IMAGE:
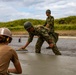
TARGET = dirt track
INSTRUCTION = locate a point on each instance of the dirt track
(61, 32)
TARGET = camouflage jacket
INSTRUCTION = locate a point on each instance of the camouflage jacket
(50, 22)
(38, 31)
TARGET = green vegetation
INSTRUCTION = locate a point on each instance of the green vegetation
(66, 20)
(68, 23)
(65, 27)
(17, 25)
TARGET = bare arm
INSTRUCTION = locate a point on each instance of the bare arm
(17, 69)
(23, 47)
(15, 60)
(28, 42)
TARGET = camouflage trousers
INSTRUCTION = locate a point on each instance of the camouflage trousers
(54, 36)
(40, 42)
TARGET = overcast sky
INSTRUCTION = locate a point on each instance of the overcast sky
(20, 9)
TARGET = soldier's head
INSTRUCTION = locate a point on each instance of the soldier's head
(5, 35)
(28, 26)
(48, 12)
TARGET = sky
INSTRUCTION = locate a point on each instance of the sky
(19, 9)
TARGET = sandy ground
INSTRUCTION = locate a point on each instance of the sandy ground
(61, 32)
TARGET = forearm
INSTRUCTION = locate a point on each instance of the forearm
(17, 69)
(26, 44)
(13, 70)
(23, 47)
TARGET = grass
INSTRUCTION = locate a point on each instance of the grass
(63, 24)
(65, 27)
(57, 27)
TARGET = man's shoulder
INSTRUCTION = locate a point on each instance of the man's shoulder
(52, 16)
(39, 27)
(7, 48)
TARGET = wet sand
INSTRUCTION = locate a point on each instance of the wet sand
(47, 63)
(67, 46)
(41, 64)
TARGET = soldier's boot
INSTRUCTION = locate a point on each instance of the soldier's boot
(48, 47)
(37, 51)
(55, 50)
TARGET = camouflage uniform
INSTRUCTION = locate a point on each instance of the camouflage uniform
(50, 22)
(43, 35)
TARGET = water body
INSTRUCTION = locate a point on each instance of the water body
(67, 46)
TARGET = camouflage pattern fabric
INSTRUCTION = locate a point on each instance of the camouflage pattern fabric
(43, 35)
(50, 22)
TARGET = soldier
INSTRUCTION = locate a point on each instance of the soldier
(42, 34)
(49, 21)
(7, 54)
(50, 25)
